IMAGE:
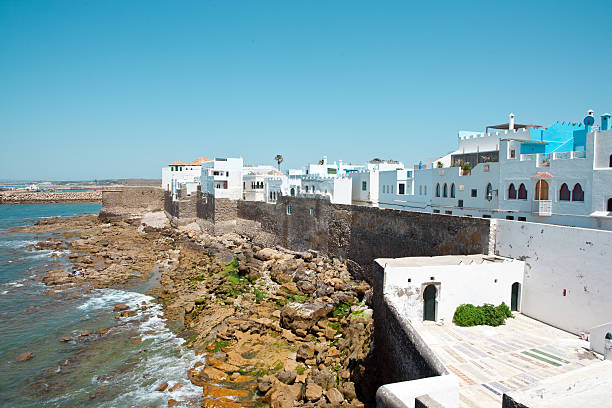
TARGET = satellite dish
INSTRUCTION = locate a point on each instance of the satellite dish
(589, 121)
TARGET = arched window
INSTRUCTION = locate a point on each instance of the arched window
(511, 192)
(564, 193)
(306, 187)
(453, 190)
(420, 190)
(438, 190)
(611, 160)
(522, 192)
(577, 193)
(292, 191)
(609, 204)
(489, 192)
(445, 190)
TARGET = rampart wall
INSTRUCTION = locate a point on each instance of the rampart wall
(128, 201)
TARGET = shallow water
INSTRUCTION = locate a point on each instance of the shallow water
(121, 368)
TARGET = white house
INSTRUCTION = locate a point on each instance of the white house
(431, 288)
(180, 175)
(222, 178)
(336, 189)
(263, 183)
(565, 180)
(365, 189)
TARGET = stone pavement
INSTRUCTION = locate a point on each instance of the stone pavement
(489, 361)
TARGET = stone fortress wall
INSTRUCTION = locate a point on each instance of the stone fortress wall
(127, 201)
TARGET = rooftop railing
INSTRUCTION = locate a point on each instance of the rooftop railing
(543, 159)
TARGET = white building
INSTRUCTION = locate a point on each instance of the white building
(326, 169)
(431, 288)
(180, 175)
(336, 189)
(222, 178)
(571, 185)
(365, 189)
(263, 183)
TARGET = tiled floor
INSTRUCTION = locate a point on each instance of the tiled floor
(492, 360)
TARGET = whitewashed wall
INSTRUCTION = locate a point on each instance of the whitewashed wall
(558, 258)
(488, 282)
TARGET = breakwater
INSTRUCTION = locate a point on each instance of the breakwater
(39, 197)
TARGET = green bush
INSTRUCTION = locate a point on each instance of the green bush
(487, 314)
(468, 315)
(505, 310)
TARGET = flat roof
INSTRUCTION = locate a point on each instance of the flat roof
(441, 260)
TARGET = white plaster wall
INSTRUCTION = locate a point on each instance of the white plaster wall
(459, 284)
(173, 180)
(370, 194)
(603, 147)
(488, 141)
(559, 258)
(444, 389)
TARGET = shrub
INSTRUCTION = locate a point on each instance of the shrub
(505, 310)
(468, 315)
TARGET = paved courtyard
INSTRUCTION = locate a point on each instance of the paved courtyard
(489, 361)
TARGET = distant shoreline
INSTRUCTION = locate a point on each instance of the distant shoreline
(36, 197)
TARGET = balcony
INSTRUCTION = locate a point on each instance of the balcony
(544, 159)
(542, 208)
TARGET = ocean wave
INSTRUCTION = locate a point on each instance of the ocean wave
(17, 244)
(166, 359)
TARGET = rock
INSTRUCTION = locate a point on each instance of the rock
(212, 374)
(306, 351)
(304, 316)
(334, 396)
(162, 387)
(287, 376)
(176, 387)
(313, 392)
(267, 254)
(25, 356)
(174, 403)
(221, 403)
(264, 383)
(120, 307)
(361, 289)
(65, 339)
(215, 391)
(306, 286)
(103, 331)
(291, 287)
(84, 333)
(323, 377)
(348, 390)
(283, 395)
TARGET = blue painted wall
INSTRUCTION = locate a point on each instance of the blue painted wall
(559, 137)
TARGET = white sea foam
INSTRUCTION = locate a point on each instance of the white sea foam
(17, 244)
(165, 360)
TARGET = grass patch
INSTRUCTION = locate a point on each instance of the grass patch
(300, 369)
(219, 345)
(342, 310)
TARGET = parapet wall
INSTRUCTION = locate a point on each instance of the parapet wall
(129, 201)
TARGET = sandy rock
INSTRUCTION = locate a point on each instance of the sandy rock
(348, 390)
(264, 383)
(334, 396)
(25, 356)
(65, 339)
(221, 403)
(283, 395)
(212, 374)
(306, 351)
(215, 391)
(313, 392)
(304, 315)
(323, 377)
(120, 307)
(267, 254)
(174, 403)
(162, 387)
(176, 387)
(287, 376)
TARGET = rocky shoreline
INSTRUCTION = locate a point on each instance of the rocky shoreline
(276, 327)
(37, 197)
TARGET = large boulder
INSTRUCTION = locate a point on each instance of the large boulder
(282, 395)
(304, 315)
(267, 254)
(283, 271)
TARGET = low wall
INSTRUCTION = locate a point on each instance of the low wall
(33, 197)
(128, 201)
(567, 272)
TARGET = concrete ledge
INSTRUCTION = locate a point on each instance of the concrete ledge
(425, 401)
(443, 390)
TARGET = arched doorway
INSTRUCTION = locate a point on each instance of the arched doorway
(429, 303)
(292, 192)
(541, 192)
(514, 299)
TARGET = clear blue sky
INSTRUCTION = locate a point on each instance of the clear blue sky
(114, 89)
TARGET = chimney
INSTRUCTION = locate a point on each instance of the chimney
(511, 122)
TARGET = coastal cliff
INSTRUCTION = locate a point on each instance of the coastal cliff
(270, 326)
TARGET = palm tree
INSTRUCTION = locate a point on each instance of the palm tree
(279, 160)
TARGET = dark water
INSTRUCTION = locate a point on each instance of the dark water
(122, 367)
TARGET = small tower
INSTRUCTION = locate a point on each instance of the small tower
(511, 122)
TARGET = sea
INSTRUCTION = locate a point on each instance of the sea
(121, 368)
